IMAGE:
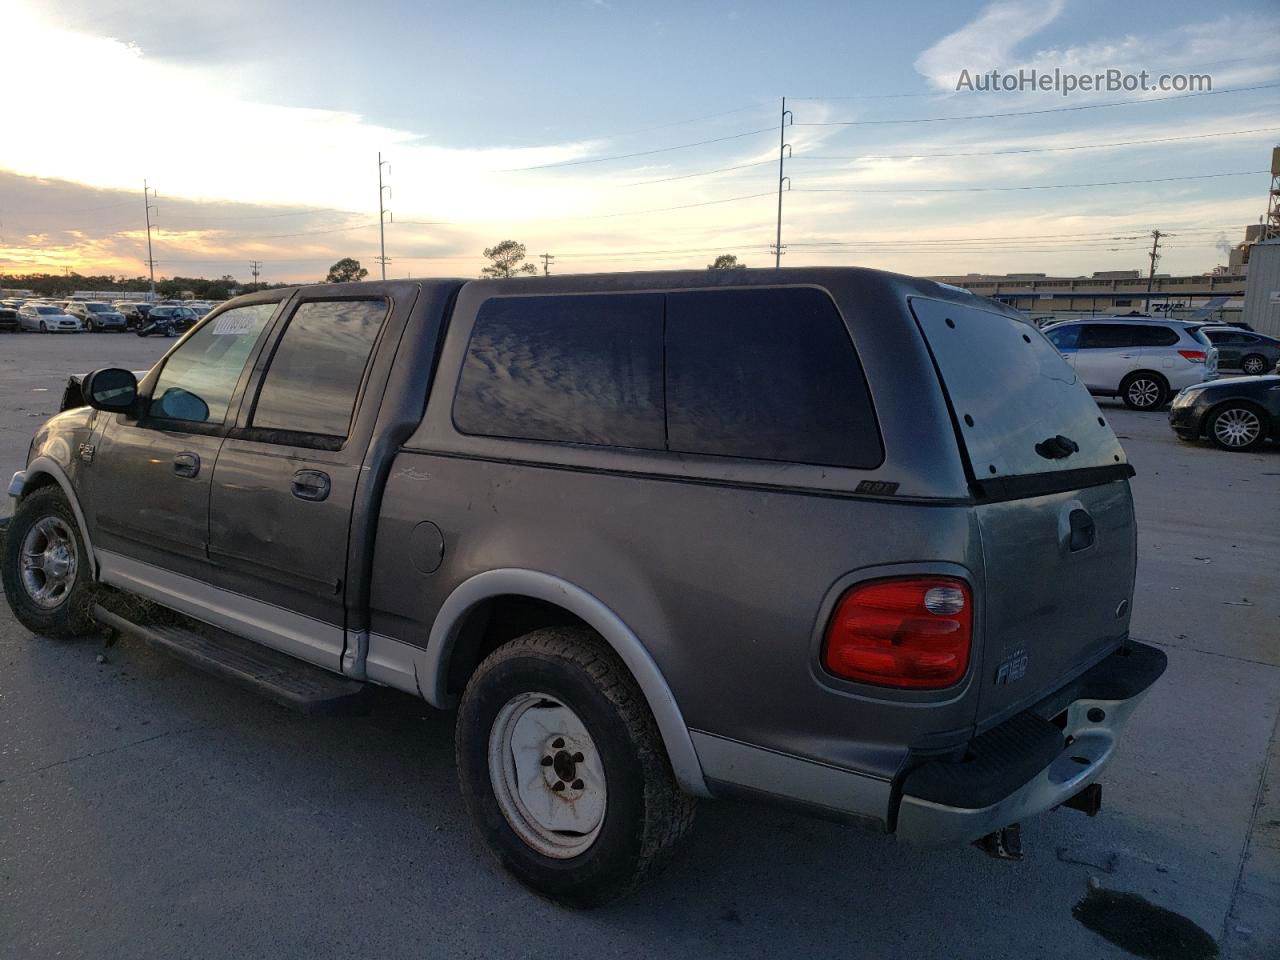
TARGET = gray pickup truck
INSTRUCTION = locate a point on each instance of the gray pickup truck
(835, 538)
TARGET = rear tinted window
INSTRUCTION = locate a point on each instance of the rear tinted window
(314, 375)
(1157, 336)
(767, 375)
(573, 369)
(1010, 391)
(1100, 336)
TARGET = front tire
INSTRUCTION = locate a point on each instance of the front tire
(1254, 365)
(1238, 427)
(1144, 391)
(563, 770)
(45, 567)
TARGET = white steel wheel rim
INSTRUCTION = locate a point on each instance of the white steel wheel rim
(1237, 427)
(48, 562)
(547, 775)
(1144, 392)
(1254, 365)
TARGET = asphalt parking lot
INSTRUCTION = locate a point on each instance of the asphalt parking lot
(150, 811)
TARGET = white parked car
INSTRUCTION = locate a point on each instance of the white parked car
(46, 318)
(1142, 361)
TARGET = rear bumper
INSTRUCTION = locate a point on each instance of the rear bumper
(1032, 762)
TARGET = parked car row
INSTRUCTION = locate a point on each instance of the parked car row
(77, 316)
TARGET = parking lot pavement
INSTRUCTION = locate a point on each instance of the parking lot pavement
(147, 810)
(33, 371)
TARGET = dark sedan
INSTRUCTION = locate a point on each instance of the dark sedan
(1252, 353)
(1239, 413)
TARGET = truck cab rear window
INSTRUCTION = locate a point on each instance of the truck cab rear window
(575, 369)
(766, 374)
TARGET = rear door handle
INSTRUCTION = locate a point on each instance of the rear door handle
(310, 485)
(186, 464)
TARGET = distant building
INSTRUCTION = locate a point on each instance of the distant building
(1262, 295)
(1109, 292)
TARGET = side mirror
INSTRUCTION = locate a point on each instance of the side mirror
(111, 389)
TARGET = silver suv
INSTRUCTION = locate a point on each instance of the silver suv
(1144, 362)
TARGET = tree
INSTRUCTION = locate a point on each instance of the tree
(345, 271)
(726, 261)
(506, 258)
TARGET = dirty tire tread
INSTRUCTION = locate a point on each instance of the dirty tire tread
(72, 619)
(668, 811)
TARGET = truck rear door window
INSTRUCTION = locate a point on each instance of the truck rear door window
(766, 374)
(314, 376)
(572, 369)
(1013, 394)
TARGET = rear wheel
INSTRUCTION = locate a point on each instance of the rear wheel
(1144, 391)
(1254, 365)
(563, 770)
(1237, 426)
(45, 567)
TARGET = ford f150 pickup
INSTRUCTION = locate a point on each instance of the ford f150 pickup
(830, 537)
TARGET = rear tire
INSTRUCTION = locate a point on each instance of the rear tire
(45, 567)
(1237, 426)
(599, 812)
(1254, 365)
(1144, 391)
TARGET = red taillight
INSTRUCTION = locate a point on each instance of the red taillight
(911, 632)
(1195, 356)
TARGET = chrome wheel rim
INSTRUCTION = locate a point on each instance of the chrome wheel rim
(1237, 427)
(1144, 393)
(547, 775)
(1254, 365)
(48, 562)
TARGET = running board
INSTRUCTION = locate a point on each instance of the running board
(277, 676)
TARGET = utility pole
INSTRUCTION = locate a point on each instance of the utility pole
(255, 265)
(546, 263)
(382, 214)
(1155, 258)
(147, 194)
(784, 150)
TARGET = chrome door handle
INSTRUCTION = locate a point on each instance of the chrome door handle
(186, 464)
(310, 485)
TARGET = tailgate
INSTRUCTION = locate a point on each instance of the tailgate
(1059, 575)
(1054, 509)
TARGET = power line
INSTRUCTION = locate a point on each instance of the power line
(1020, 150)
(1036, 186)
(1033, 113)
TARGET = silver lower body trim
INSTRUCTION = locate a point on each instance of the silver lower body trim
(788, 777)
(299, 636)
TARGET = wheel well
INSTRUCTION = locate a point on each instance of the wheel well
(1145, 373)
(495, 621)
(39, 481)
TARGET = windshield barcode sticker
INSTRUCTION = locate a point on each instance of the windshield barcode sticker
(232, 326)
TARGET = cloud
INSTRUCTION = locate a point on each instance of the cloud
(987, 42)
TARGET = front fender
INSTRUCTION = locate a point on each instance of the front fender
(38, 472)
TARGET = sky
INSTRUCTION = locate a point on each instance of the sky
(626, 136)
